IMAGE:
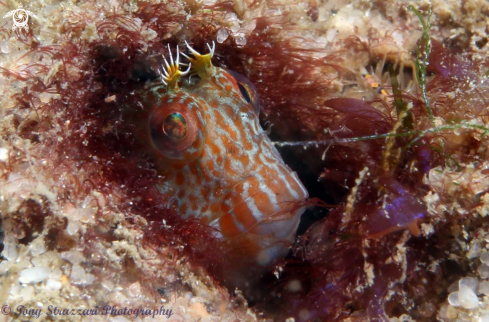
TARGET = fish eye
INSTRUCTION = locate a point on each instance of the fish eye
(175, 126)
(248, 90)
(177, 129)
(245, 92)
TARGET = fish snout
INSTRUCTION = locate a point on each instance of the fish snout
(261, 215)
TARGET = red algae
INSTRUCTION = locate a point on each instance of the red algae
(359, 117)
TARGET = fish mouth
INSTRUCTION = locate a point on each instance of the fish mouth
(263, 214)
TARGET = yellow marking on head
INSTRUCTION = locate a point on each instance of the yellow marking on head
(172, 73)
(201, 64)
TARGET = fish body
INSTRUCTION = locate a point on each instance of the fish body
(219, 164)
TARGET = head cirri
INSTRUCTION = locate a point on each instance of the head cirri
(219, 164)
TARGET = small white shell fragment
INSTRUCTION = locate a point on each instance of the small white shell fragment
(467, 298)
(222, 35)
(4, 47)
(27, 293)
(453, 299)
(53, 284)
(73, 256)
(485, 258)
(240, 39)
(37, 248)
(475, 250)
(3, 154)
(470, 282)
(78, 276)
(56, 274)
(483, 271)
(34, 275)
(10, 252)
(72, 227)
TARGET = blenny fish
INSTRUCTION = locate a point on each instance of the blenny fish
(219, 164)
